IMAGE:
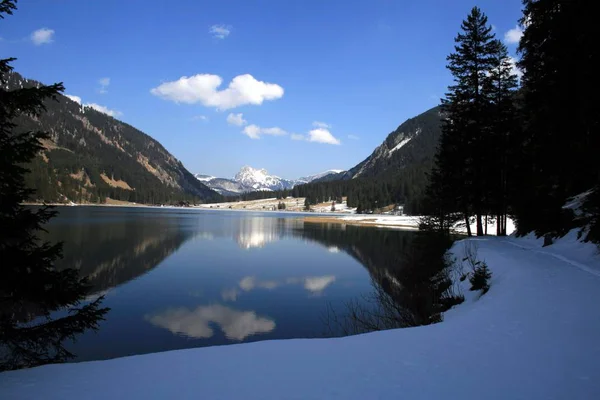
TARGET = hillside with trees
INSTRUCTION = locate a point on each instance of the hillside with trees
(91, 156)
(395, 173)
(40, 307)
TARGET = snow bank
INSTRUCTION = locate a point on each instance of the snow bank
(534, 335)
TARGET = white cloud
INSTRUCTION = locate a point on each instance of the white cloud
(353, 137)
(104, 82)
(237, 325)
(76, 99)
(219, 31)
(199, 118)
(513, 35)
(255, 132)
(321, 135)
(515, 70)
(103, 109)
(297, 136)
(324, 125)
(95, 106)
(236, 119)
(42, 36)
(203, 88)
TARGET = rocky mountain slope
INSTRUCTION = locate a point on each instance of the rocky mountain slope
(92, 157)
(413, 142)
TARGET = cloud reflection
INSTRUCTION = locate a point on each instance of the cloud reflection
(250, 282)
(236, 325)
(314, 284)
(318, 283)
(230, 294)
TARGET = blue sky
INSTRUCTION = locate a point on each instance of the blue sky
(319, 84)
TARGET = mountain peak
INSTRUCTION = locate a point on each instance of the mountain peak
(259, 179)
(250, 179)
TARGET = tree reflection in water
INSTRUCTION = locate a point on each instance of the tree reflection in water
(411, 278)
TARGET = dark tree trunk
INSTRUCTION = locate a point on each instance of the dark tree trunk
(498, 224)
(468, 225)
(479, 225)
(486, 224)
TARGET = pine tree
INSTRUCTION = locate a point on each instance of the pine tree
(502, 126)
(560, 60)
(306, 204)
(461, 154)
(31, 289)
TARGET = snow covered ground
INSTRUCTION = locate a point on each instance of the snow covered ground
(408, 222)
(534, 335)
(384, 220)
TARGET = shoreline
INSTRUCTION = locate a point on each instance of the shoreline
(521, 332)
(374, 220)
(339, 218)
(406, 222)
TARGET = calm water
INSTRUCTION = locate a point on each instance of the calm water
(188, 278)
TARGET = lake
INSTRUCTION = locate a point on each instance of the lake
(182, 278)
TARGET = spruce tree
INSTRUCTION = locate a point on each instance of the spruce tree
(461, 153)
(560, 60)
(31, 289)
(501, 128)
(306, 204)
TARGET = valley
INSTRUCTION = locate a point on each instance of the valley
(299, 200)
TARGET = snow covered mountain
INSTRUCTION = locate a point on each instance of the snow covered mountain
(259, 179)
(250, 179)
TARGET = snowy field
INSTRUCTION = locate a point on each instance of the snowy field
(534, 335)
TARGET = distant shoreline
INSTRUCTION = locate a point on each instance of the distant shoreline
(311, 217)
(364, 220)
(372, 220)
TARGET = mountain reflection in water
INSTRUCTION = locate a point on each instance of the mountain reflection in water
(189, 278)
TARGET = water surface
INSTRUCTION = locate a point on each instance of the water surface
(181, 278)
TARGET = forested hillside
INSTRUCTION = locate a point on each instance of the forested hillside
(92, 156)
(396, 171)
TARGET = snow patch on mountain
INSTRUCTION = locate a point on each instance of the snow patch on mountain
(403, 142)
(399, 146)
(386, 150)
(310, 178)
(204, 178)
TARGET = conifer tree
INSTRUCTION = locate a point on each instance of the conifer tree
(306, 204)
(461, 153)
(501, 128)
(560, 60)
(31, 289)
